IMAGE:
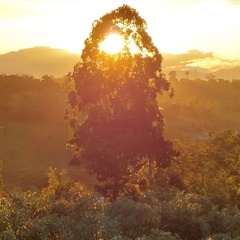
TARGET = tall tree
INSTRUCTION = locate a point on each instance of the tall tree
(116, 122)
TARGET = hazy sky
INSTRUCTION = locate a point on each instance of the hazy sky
(175, 26)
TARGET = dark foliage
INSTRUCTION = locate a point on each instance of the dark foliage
(114, 113)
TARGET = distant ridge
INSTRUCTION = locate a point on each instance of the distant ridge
(226, 73)
(39, 61)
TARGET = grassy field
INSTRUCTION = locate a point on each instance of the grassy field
(29, 150)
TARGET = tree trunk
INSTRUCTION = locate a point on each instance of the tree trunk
(150, 171)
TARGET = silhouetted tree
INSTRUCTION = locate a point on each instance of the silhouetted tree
(173, 76)
(211, 77)
(187, 74)
(114, 116)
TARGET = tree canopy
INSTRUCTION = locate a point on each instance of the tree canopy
(116, 120)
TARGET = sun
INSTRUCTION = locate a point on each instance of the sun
(112, 44)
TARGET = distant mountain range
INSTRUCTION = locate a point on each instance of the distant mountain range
(39, 61)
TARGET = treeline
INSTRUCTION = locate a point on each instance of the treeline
(200, 107)
(32, 129)
(27, 99)
(14, 84)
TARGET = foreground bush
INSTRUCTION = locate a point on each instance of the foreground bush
(63, 210)
(66, 210)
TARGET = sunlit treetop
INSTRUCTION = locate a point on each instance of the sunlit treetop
(126, 23)
(119, 49)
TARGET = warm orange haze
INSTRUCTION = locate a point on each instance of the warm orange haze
(198, 36)
(119, 120)
(175, 26)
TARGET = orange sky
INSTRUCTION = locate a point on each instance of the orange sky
(175, 26)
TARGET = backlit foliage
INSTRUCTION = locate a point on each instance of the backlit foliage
(114, 112)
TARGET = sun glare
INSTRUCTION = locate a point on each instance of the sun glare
(112, 44)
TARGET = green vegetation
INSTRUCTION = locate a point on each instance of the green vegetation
(201, 106)
(32, 130)
(197, 197)
(67, 210)
(190, 189)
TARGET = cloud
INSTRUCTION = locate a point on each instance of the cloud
(214, 63)
(197, 59)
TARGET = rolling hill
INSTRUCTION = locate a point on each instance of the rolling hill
(39, 61)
